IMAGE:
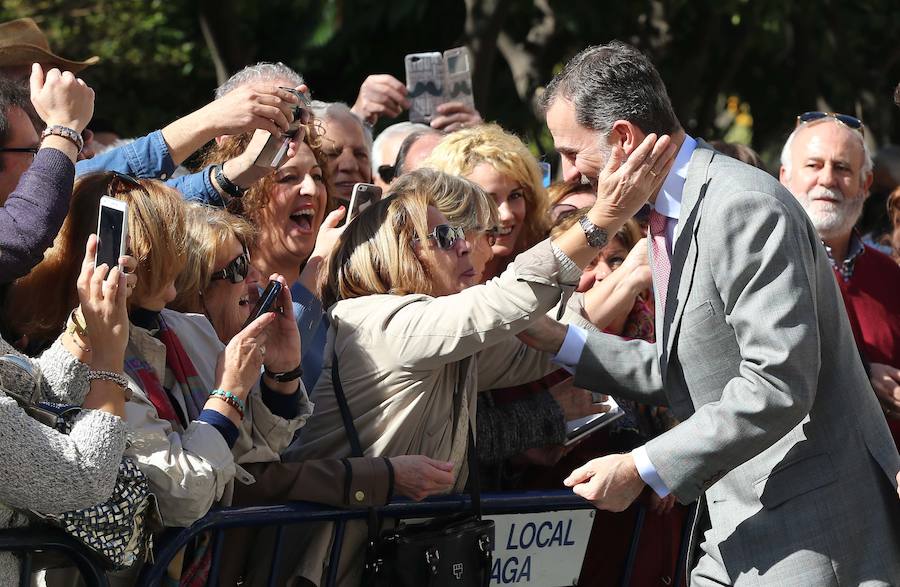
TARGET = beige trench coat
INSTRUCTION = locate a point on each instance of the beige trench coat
(410, 367)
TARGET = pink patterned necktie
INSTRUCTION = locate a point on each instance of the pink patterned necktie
(662, 266)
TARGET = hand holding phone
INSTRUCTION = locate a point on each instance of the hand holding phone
(276, 147)
(265, 302)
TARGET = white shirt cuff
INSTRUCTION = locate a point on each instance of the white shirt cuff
(648, 472)
(570, 352)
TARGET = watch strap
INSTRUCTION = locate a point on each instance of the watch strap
(230, 188)
(596, 236)
(284, 377)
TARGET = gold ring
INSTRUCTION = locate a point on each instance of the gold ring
(653, 173)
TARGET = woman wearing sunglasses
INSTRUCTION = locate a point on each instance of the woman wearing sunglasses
(414, 344)
(504, 167)
(187, 411)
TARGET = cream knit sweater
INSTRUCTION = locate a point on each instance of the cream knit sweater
(45, 471)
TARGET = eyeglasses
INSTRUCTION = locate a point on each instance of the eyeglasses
(237, 269)
(851, 121)
(386, 173)
(32, 150)
(445, 236)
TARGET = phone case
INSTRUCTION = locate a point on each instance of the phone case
(119, 206)
(424, 84)
(458, 76)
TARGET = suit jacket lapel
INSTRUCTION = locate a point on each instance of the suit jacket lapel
(684, 253)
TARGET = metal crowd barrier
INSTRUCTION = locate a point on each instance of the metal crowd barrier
(279, 516)
(27, 541)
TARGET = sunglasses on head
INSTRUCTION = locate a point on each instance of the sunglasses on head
(445, 236)
(386, 173)
(120, 183)
(851, 121)
(237, 269)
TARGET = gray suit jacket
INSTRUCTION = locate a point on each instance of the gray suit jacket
(780, 427)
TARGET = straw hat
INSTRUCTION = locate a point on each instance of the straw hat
(23, 43)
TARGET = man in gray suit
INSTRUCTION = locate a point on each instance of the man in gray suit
(781, 437)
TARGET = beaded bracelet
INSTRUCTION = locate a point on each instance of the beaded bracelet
(65, 132)
(231, 399)
(117, 378)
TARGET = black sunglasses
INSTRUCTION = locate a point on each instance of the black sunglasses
(851, 121)
(119, 182)
(446, 236)
(237, 269)
(386, 173)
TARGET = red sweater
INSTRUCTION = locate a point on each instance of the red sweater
(872, 297)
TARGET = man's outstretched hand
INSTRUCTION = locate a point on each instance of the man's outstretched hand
(610, 483)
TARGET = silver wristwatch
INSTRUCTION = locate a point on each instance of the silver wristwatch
(596, 237)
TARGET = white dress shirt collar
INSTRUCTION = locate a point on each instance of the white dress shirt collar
(668, 201)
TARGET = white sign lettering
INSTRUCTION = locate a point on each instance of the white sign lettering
(540, 549)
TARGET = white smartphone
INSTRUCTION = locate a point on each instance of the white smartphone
(363, 196)
(112, 232)
(458, 76)
(424, 84)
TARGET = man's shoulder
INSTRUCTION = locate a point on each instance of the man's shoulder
(733, 184)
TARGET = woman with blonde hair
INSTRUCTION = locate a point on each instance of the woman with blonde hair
(412, 344)
(503, 166)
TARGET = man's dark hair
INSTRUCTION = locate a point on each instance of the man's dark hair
(406, 145)
(14, 93)
(614, 82)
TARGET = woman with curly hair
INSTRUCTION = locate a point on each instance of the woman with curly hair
(296, 226)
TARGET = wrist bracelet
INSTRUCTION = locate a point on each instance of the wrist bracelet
(76, 326)
(84, 348)
(285, 376)
(231, 403)
(117, 378)
(228, 186)
(231, 399)
(65, 132)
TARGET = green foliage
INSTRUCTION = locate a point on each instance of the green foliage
(780, 57)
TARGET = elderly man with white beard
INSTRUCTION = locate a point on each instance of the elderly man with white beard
(826, 164)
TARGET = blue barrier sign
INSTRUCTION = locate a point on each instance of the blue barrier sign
(540, 549)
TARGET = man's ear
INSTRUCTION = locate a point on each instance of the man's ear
(783, 176)
(867, 183)
(627, 135)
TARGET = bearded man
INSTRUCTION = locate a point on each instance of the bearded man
(825, 163)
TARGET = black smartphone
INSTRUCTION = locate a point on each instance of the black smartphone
(112, 231)
(265, 302)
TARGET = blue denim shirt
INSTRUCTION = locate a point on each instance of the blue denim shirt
(313, 325)
(149, 157)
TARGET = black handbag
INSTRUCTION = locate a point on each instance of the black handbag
(451, 551)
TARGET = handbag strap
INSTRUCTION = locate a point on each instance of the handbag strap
(352, 435)
(356, 447)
